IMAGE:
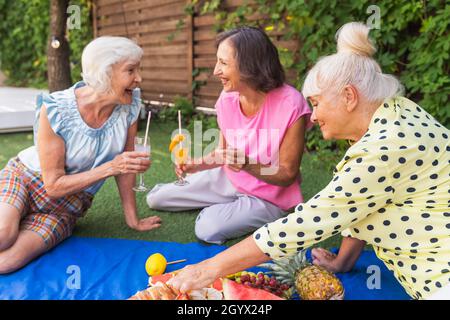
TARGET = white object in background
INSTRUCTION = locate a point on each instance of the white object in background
(17, 108)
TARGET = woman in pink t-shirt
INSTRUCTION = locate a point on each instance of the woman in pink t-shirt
(252, 177)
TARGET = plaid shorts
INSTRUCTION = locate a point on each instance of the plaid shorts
(53, 219)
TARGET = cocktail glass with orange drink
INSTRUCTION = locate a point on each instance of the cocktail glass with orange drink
(180, 147)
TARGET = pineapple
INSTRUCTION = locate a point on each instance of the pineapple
(312, 282)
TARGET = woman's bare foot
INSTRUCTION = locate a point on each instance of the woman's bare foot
(328, 260)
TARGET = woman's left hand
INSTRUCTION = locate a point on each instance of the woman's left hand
(193, 277)
(147, 224)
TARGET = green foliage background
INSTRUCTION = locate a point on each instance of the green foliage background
(413, 39)
(24, 31)
(413, 42)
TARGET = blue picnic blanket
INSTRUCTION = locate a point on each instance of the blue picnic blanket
(109, 269)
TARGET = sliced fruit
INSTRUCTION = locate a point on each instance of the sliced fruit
(217, 285)
(153, 280)
(236, 291)
(205, 294)
(181, 155)
(176, 140)
(160, 291)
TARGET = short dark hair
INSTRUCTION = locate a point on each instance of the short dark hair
(258, 60)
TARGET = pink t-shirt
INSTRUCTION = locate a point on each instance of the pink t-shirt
(261, 136)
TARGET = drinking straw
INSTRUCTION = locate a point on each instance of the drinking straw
(179, 127)
(148, 125)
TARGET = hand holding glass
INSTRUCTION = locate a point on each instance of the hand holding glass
(180, 159)
(140, 147)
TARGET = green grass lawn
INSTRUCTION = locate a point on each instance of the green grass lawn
(105, 218)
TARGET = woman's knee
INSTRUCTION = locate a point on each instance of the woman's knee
(153, 200)
(28, 246)
(8, 236)
(9, 226)
(156, 198)
(208, 229)
(9, 262)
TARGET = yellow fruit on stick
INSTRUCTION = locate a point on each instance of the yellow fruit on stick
(181, 156)
(176, 140)
(156, 264)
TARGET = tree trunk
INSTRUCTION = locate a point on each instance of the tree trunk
(58, 63)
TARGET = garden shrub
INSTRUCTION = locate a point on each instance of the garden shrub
(24, 30)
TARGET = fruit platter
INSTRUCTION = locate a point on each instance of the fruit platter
(221, 289)
(283, 280)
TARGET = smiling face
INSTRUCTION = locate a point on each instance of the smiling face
(227, 67)
(345, 115)
(125, 78)
(331, 115)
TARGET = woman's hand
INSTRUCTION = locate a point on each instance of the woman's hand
(146, 224)
(130, 162)
(188, 167)
(235, 159)
(194, 277)
(241, 256)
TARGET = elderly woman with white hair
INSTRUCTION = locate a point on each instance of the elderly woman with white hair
(391, 189)
(83, 135)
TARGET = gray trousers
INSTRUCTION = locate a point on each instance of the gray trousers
(227, 213)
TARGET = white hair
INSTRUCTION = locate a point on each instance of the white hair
(352, 64)
(101, 54)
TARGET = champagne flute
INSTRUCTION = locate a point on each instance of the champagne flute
(141, 147)
(181, 154)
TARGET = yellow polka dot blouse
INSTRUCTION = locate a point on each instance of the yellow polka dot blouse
(392, 189)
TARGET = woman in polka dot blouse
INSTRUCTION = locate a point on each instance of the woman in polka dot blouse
(391, 190)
